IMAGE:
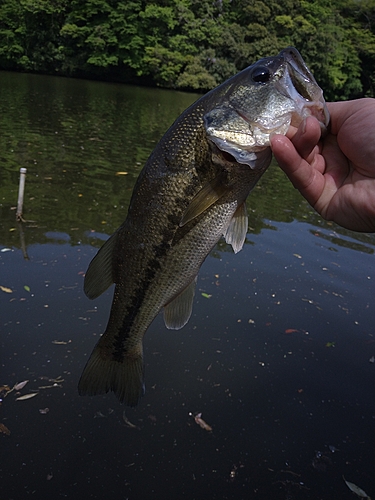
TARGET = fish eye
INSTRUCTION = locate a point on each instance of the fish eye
(261, 74)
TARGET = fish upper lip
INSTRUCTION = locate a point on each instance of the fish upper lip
(299, 84)
(261, 125)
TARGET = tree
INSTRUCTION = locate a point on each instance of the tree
(190, 44)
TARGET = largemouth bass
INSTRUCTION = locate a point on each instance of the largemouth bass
(191, 192)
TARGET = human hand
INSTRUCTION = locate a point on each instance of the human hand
(336, 173)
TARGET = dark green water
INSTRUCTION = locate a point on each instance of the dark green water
(276, 359)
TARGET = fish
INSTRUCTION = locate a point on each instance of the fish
(191, 192)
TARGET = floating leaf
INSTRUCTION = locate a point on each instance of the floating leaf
(330, 344)
(206, 295)
(27, 288)
(121, 173)
(332, 449)
(4, 429)
(26, 396)
(199, 420)
(128, 423)
(356, 489)
(49, 386)
(5, 289)
(20, 385)
(290, 330)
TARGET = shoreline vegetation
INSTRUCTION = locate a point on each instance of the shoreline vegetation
(189, 44)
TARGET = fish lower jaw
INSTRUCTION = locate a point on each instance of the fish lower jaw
(316, 109)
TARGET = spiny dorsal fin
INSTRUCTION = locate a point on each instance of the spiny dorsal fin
(235, 234)
(99, 275)
(178, 311)
(207, 196)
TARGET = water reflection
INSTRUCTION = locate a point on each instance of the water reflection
(276, 355)
(74, 137)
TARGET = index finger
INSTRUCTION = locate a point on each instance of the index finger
(301, 161)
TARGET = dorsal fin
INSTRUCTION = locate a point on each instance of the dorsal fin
(177, 313)
(207, 196)
(235, 234)
(99, 275)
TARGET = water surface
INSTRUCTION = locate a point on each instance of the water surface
(277, 354)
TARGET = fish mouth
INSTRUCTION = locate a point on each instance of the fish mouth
(298, 83)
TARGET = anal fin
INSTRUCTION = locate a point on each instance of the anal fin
(177, 313)
(235, 234)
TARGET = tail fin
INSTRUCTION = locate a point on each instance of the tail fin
(103, 374)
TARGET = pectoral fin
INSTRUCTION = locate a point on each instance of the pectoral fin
(99, 275)
(207, 196)
(178, 311)
(235, 234)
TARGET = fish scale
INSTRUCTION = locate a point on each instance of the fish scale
(191, 192)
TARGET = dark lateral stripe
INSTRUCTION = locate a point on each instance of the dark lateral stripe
(135, 304)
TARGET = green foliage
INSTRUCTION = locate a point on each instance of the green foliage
(192, 44)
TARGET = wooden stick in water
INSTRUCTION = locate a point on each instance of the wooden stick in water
(21, 191)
